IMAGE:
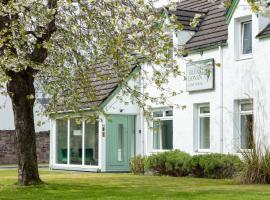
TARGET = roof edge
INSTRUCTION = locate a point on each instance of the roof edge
(113, 93)
(207, 47)
(231, 10)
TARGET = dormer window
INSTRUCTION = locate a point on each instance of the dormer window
(246, 37)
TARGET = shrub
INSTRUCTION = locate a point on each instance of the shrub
(256, 167)
(136, 164)
(173, 163)
(214, 165)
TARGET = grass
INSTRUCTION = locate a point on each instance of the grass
(81, 186)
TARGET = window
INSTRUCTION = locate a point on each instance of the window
(61, 141)
(246, 37)
(91, 143)
(204, 127)
(78, 146)
(246, 124)
(75, 141)
(163, 130)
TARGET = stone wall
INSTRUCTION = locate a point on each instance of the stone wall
(8, 147)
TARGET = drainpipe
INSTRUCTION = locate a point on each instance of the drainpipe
(221, 98)
(142, 116)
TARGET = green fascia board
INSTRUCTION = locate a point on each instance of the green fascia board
(231, 10)
(119, 87)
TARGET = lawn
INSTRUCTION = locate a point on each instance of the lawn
(81, 186)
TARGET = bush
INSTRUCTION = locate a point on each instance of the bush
(172, 163)
(136, 165)
(214, 165)
(256, 167)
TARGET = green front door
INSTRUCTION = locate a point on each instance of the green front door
(120, 142)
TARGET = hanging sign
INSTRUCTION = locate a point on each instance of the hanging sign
(200, 75)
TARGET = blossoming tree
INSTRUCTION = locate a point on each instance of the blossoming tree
(50, 46)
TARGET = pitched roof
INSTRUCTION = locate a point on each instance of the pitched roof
(265, 32)
(185, 17)
(103, 81)
(213, 29)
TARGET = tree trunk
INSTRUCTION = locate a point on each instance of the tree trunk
(22, 93)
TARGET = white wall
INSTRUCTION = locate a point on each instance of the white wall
(7, 117)
(246, 78)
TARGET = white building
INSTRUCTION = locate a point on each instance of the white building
(225, 107)
(7, 117)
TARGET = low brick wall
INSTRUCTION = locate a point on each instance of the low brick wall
(8, 150)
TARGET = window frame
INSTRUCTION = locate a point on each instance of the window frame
(242, 113)
(163, 118)
(69, 164)
(241, 42)
(203, 115)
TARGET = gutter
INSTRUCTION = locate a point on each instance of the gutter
(221, 99)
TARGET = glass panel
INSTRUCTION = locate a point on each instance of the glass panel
(246, 106)
(158, 114)
(169, 113)
(246, 131)
(120, 142)
(163, 134)
(204, 132)
(61, 141)
(91, 144)
(247, 37)
(75, 141)
(204, 110)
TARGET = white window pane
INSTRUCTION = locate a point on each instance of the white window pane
(246, 106)
(61, 141)
(246, 131)
(204, 110)
(169, 113)
(158, 114)
(247, 38)
(163, 134)
(91, 143)
(156, 135)
(75, 141)
(204, 133)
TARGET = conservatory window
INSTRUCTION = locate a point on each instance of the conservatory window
(76, 142)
